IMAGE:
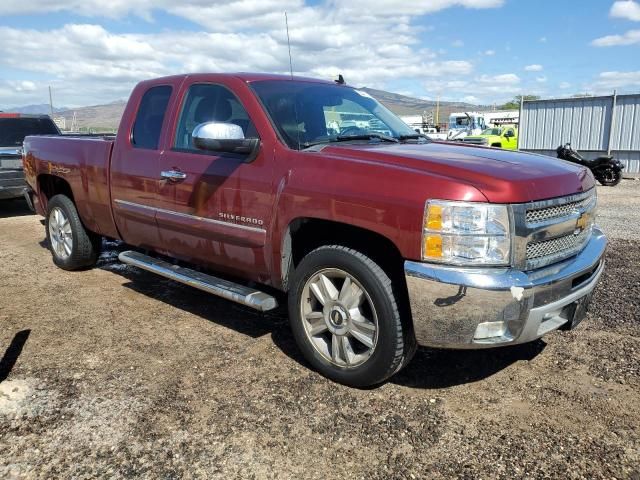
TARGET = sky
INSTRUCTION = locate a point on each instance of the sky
(479, 51)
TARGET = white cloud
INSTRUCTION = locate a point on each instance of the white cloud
(240, 10)
(629, 38)
(23, 86)
(489, 53)
(470, 99)
(503, 79)
(627, 9)
(533, 68)
(564, 85)
(86, 63)
(607, 81)
(484, 89)
(371, 42)
(541, 79)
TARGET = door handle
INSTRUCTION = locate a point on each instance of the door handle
(173, 175)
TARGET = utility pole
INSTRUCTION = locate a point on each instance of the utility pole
(50, 102)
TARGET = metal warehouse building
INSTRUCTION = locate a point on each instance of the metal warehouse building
(594, 125)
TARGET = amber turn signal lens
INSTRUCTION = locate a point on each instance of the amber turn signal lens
(434, 217)
(433, 246)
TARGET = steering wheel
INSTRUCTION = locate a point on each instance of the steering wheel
(352, 130)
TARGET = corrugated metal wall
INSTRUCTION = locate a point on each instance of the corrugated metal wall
(588, 123)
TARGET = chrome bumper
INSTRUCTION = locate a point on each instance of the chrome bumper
(455, 307)
(12, 183)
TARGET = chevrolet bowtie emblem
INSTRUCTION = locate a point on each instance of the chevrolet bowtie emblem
(582, 223)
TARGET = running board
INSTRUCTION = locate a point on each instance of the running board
(217, 286)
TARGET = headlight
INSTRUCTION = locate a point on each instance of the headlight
(464, 233)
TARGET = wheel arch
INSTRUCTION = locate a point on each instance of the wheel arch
(51, 185)
(304, 234)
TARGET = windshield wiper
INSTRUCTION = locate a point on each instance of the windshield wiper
(367, 136)
(346, 138)
(413, 136)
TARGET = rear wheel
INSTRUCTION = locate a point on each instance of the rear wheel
(610, 177)
(346, 319)
(72, 246)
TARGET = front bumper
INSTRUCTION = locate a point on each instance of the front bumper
(449, 303)
(12, 184)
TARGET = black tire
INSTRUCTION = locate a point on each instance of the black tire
(609, 177)
(496, 145)
(395, 339)
(85, 246)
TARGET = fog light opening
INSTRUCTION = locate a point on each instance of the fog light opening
(487, 330)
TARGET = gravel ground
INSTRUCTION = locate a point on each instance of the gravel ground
(616, 206)
(119, 373)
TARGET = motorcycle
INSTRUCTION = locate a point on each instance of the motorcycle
(606, 169)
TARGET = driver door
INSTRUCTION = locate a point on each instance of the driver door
(222, 205)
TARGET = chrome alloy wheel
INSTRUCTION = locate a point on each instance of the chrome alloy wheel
(60, 233)
(339, 318)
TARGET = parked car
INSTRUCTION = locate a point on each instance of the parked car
(379, 241)
(13, 128)
(505, 137)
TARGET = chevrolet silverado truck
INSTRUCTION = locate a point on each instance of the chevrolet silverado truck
(505, 137)
(380, 238)
(13, 128)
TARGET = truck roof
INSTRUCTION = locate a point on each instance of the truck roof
(244, 76)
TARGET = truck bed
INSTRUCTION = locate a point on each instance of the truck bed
(83, 161)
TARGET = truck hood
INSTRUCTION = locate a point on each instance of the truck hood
(502, 176)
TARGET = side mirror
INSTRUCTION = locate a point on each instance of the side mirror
(225, 137)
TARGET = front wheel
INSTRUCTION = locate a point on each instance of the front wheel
(72, 246)
(346, 319)
(610, 177)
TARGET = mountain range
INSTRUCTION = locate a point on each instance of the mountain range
(107, 117)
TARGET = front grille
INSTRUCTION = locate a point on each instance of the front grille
(560, 246)
(540, 215)
(546, 229)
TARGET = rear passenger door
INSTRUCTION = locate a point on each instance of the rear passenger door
(135, 171)
(222, 204)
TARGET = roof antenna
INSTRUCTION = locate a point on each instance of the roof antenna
(286, 22)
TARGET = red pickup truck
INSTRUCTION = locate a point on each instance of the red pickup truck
(381, 238)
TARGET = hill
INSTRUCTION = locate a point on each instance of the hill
(39, 109)
(403, 105)
(96, 116)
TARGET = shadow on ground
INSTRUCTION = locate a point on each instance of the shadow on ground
(429, 369)
(11, 354)
(439, 368)
(16, 207)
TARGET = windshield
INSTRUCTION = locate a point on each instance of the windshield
(492, 131)
(458, 122)
(13, 130)
(307, 113)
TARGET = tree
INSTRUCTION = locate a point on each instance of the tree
(515, 103)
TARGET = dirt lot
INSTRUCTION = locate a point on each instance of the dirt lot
(119, 373)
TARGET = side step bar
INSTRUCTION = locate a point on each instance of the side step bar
(217, 286)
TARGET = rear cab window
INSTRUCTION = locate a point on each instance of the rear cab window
(13, 130)
(151, 112)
